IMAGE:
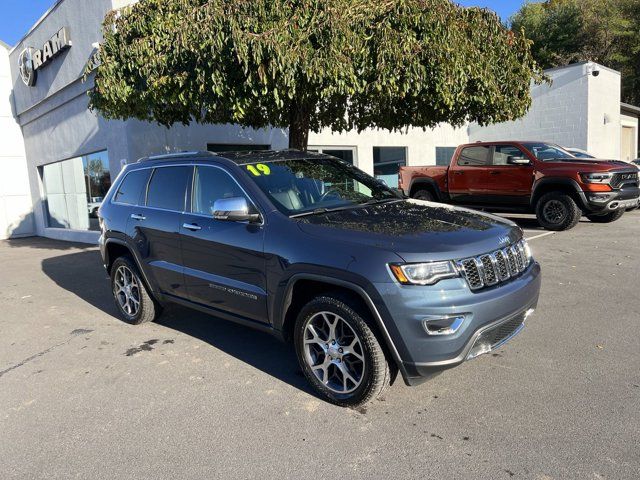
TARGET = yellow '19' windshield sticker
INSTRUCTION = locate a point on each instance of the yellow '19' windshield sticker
(259, 169)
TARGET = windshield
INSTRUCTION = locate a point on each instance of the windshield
(304, 186)
(547, 151)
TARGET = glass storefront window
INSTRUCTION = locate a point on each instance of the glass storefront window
(74, 190)
(387, 162)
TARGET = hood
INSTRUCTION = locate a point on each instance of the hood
(590, 164)
(415, 230)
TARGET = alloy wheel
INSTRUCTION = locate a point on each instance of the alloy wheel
(333, 351)
(126, 290)
(554, 211)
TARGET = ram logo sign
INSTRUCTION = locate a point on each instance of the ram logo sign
(32, 59)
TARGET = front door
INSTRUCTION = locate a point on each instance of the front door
(155, 228)
(468, 177)
(224, 261)
(509, 184)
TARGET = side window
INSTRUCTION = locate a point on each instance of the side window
(474, 156)
(168, 188)
(501, 154)
(211, 184)
(132, 187)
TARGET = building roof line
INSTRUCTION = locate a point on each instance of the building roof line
(628, 106)
(578, 64)
(36, 25)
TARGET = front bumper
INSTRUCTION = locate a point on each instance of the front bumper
(493, 316)
(624, 198)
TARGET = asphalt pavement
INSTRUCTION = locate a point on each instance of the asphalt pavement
(84, 395)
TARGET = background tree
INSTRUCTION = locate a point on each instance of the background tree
(311, 64)
(603, 31)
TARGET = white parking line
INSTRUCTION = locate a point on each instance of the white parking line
(540, 235)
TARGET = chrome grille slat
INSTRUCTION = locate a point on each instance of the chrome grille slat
(494, 267)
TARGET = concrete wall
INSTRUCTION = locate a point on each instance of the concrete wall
(559, 113)
(16, 218)
(577, 110)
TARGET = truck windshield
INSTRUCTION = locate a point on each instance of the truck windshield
(547, 151)
(306, 186)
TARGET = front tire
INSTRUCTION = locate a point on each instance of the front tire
(608, 217)
(557, 211)
(339, 353)
(133, 301)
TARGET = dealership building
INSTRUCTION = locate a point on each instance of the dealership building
(57, 158)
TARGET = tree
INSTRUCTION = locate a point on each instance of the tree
(311, 64)
(603, 31)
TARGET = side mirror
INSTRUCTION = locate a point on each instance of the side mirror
(234, 209)
(518, 161)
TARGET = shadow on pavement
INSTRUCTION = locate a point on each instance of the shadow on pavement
(82, 274)
(47, 244)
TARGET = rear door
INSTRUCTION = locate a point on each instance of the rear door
(468, 175)
(509, 184)
(155, 227)
(223, 260)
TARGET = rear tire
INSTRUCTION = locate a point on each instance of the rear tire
(607, 217)
(423, 195)
(557, 211)
(133, 301)
(339, 353)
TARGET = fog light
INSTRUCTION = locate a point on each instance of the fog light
(599, 197)
(443, 324)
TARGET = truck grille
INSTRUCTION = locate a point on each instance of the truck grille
(495, 267)
(624, 178)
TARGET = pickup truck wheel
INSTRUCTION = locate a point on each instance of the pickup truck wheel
(423, 195)
(133, 301)
(608, 217)
(339, 353)
(557, 211)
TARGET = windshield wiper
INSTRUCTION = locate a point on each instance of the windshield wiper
(321, 210)
(374, 201)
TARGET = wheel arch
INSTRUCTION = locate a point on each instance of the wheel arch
(114, 248)
(302, 287)
(425, 183)
(565, 185)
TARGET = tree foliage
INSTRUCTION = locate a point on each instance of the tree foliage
(311, 64)
(603, 31)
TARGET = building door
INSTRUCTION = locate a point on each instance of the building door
(627, 144)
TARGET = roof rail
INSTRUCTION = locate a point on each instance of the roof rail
(171, 156)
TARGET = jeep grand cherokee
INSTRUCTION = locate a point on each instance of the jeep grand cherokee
(365, 284)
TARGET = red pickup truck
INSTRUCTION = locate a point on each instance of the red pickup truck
(530, 177)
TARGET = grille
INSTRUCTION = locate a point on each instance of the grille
(495, 267)
(624, 178)
(501, 332)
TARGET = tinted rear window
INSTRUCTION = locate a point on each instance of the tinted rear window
(168, 187)
(132, 187)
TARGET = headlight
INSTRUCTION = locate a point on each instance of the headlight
(423, 273)
(596, 177)
(527, 250)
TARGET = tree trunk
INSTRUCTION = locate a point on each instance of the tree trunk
(299, 119)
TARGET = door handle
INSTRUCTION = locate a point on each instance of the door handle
(494, 172)
(136, 216)
(458, 172)
(191, 226)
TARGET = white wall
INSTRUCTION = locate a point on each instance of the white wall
(16, 217)
(421, 144)
(577, 110)
(604, 114)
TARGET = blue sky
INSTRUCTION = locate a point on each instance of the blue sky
(20, 15)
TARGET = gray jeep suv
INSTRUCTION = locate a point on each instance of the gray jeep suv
(365, 283)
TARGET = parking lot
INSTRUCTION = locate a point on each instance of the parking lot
(84, 395)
